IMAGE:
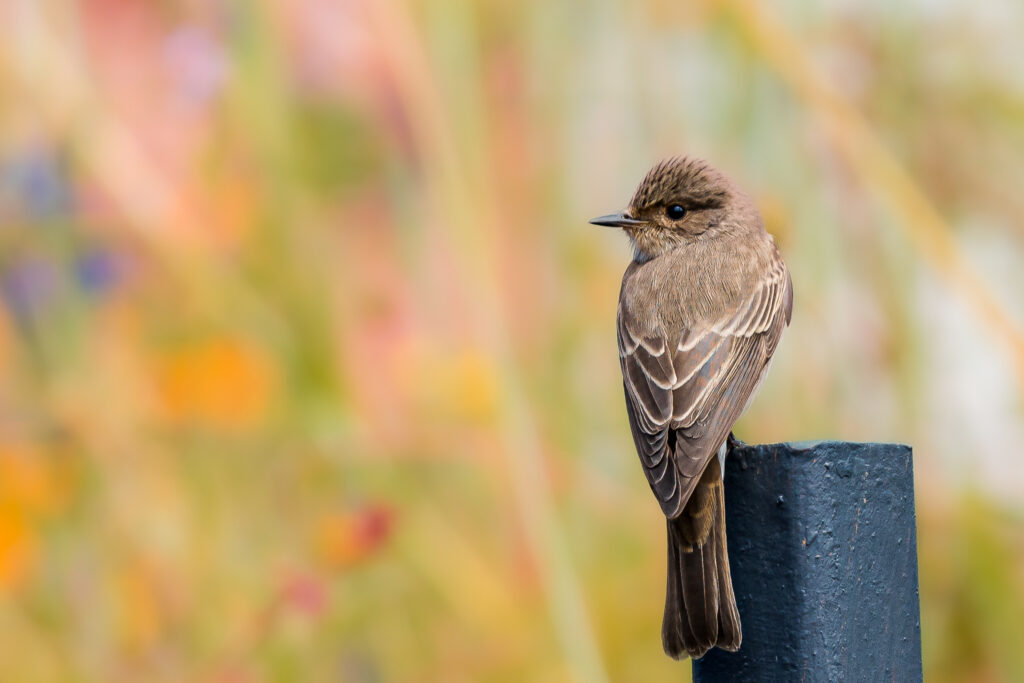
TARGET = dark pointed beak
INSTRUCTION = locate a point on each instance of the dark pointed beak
(616, 220)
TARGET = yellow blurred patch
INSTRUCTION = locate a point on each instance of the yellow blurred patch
(777, 220)
(475, 385)
(5, 343)
(138, 607)
(461, 385)
(231, 211)
(225, 383)
(28, 481)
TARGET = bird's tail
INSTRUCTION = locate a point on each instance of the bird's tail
(700, 607)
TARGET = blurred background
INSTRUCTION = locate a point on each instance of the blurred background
(307, 351)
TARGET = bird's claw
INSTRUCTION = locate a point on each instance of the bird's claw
(732, 442)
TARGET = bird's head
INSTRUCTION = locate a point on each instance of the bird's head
(680, 200)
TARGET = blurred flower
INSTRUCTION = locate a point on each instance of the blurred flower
(30, 489)
(27, 285)
(342, 539)
(29, 481)
(224, 382)
(38, 182)
(334, 47)
(197, 62)
(97, 270)
(17, 548)
(304, 593)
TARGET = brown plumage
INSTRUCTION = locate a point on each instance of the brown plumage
(701, 310)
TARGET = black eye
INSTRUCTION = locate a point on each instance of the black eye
(675, 212)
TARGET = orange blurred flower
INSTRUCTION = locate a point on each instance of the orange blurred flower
(30, 488)
(345, 538)
(225, 382)
(17, 547)
(29, 482)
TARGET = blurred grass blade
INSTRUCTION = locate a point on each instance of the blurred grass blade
(864, 151)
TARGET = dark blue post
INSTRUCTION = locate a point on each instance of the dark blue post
(823, 551)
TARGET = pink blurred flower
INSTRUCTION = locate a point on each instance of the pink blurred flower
(345, 538)
(198, 64)
(304, 593)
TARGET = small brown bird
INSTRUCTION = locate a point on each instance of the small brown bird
(701, 310)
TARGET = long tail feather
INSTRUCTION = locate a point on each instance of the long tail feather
(700, 607)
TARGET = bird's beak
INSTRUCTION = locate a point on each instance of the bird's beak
(616, 220)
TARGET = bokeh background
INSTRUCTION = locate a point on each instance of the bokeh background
(307, 352)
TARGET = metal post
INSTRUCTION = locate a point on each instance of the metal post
(823, 551)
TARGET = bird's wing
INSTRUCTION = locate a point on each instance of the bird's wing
(684, 393)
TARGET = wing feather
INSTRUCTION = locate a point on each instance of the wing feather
(683, 395)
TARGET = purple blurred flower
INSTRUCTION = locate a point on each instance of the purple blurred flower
(27, 286)
(38, 182)
(97, 270)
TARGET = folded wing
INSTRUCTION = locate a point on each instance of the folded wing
(684, 390)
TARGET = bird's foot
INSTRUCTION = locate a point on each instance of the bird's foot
(732, 442)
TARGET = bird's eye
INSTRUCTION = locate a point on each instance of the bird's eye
(675, 211)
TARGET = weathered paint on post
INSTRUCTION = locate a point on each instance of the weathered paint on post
(823, 551)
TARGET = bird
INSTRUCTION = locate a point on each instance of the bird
(701, 310)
